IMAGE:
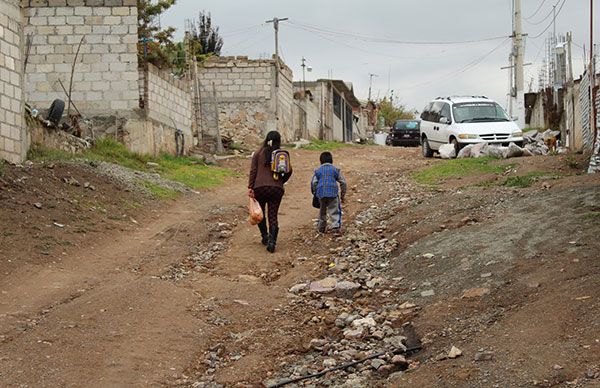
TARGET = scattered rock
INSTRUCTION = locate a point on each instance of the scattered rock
(322, 286)
(329, 363)
(454, 352)
(428, 255)
(377, 363)
(298, 288)
(399, 360)
(38, 205)
(483, 356)
(407, 305)
(353, 333)
(369, 322)
(427, 293)
(447, 151)
(476, 292)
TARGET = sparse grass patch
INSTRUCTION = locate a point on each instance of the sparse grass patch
(160, 192)
(571, 162)
(322, 145)
(526, 180)
(593, 216)
(456, 168)
(189, 171)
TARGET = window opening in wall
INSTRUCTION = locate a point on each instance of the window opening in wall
(337, 104)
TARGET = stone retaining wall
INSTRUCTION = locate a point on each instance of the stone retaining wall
(13, 137)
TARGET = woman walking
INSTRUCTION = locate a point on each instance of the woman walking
(267, 188)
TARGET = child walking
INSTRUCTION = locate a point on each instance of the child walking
(324, 186)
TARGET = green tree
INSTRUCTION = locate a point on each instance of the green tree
(204, 37)
(156, 44)
(391, 112)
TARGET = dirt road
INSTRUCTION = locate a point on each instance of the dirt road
(182, 292)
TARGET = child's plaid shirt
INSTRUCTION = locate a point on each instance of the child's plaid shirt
(325, 181)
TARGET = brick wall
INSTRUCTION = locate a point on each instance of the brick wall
(105, 77)
(246, 99)
(13, 137)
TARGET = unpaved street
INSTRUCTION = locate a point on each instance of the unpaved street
(181, 293)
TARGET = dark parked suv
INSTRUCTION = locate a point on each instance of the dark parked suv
(404, 132)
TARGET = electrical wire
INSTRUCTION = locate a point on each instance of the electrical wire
(536, 11)
(463, 69)
(545, 18)
(551, 23)
(373, 39)
(370, 52)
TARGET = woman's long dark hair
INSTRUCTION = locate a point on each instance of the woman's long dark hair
(272, 142)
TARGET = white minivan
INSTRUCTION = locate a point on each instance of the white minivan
(466, 120)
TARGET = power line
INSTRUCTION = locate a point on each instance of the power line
(468, 66)
(357, 48)
(550, 24)
(389, 40)
(545, 17)
(536, 11)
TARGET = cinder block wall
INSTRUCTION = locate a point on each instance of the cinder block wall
(167, 105)
(13, 137)
(285, 96)
(105, 78)
(245, 98)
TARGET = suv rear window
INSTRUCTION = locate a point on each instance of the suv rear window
(406, 125)
(469, 112)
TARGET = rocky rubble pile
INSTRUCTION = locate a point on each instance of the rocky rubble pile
(363, 341)
(535, 143)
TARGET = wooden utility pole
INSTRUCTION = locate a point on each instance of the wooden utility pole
(275, 22)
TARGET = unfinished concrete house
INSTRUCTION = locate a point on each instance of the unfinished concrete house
(330, 109)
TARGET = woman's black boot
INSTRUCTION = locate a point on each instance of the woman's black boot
(262, 226)
(273, 239)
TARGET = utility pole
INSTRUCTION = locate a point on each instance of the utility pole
(275, 22)
(371, 83)
(519, 53)
(303, 75)
(592, 70)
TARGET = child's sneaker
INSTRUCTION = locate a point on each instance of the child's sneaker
(336, 231)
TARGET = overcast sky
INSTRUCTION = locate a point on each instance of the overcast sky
(337, 39)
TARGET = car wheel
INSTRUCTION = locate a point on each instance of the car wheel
(427, 151)
(456, 145)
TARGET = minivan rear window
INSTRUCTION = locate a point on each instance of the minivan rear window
(469, 112)
(406, 125)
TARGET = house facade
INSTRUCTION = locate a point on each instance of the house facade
(332, 110)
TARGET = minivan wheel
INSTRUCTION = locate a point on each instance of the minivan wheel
(456, 145)
(427, 151)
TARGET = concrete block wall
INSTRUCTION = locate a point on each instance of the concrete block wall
(13, 137)
(167, 103)
(105, 79)
(246, 98)
(285, 98)
(169, 100)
